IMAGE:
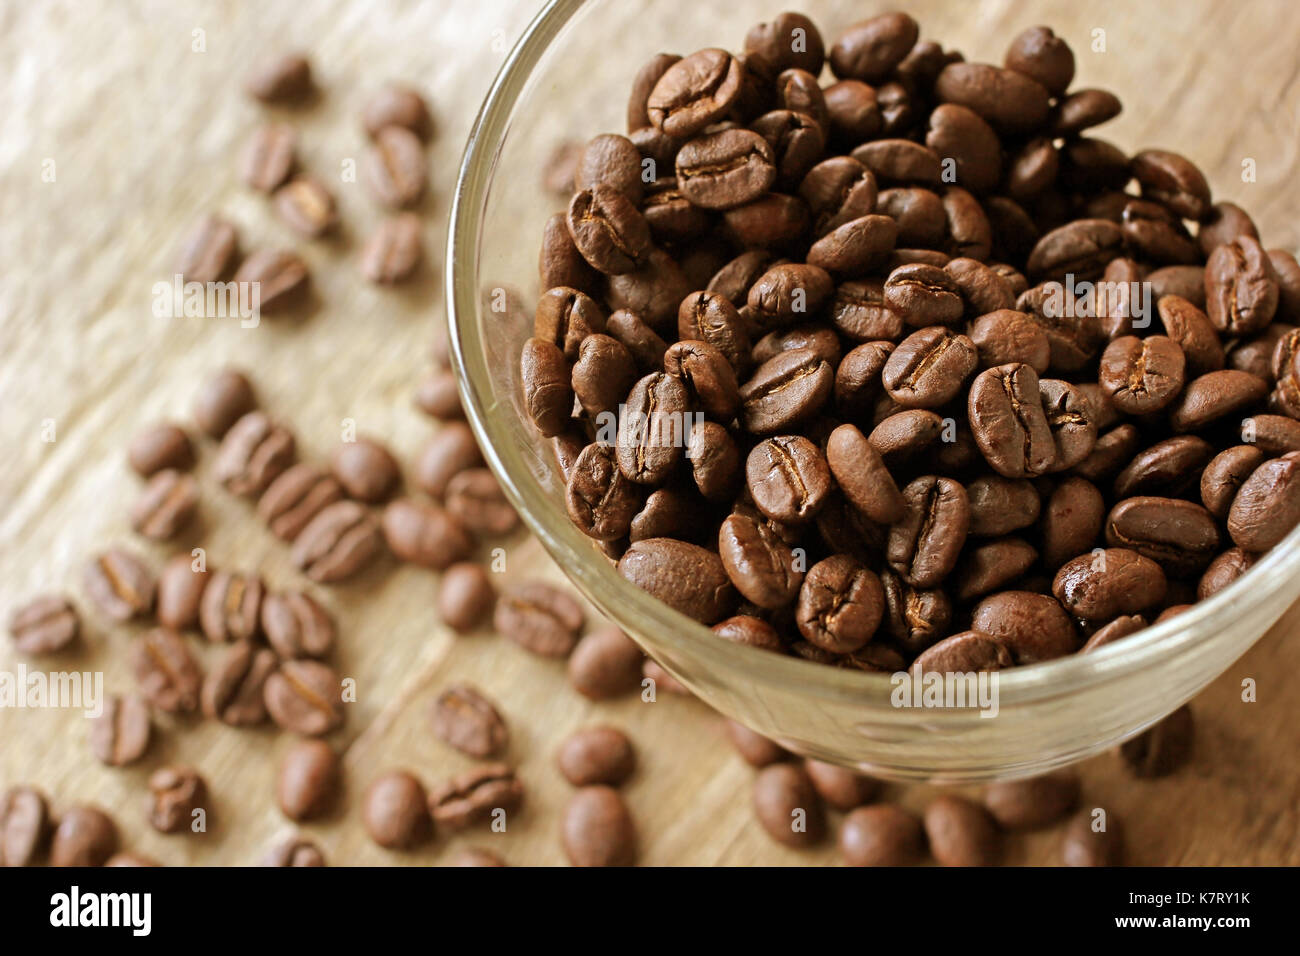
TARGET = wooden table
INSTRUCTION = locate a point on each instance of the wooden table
(135, 110)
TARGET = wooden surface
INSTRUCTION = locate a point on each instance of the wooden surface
(142, 130)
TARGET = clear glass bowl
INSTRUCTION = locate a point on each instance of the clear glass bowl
(568, 77)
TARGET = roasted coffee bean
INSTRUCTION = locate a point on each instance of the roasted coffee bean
(684, 576)
(929, 367)
(1006, 336)
(900, 436)
(857, 378)
(711, 318)
(166, 671)
(610, 160)
(984, 289)
(1104, 584)
(838, 190)
(1072, 521)
(1034, 802)
(709, 377)
(788, 293)
(475, 796)
(278, 275)
(789, 388)
(990, 565)
(304, 697)
(475, 496)
(120, 735)
(900, 161)
(605, 664)
(961, 832)
(539, 618)
(840, 604)
(749, 631)
(608, 230)
(642, 342)
(925, 543)
(176, 796)
(871, 49)
(600, 378)
(787, 805)
(1142, 375)
(821, 340)
(365, 469)
(790, 41)
(1241, 288)
(651, 429)
(161, 446)
(308, 780)
(394, 249)
(1069, 419)
(341, 540)
(44, 625)
(915, 617)
(268, 157)
(797, 141)
(449, 452)
(960, 136)
(253, 453)
(397, 105)
(1192, 330)
(1110, 454)
(297, 626)
(559, 263)
(1225, 475)
(755, 749)
(166, 505)
(881, 835)
(733, 280)
(468, 721)
(596, 755)
(668, 513)
(851, 113)
(233, 691)
(725, 169)
(758, 561)
(1287, 271)
(1009, 423)
(282, 78)
(1084, 109)
(841, 788)
(644, 82)
(1267, 506)
(231, 607)
(599, 499)
(694, 92)
(855, 247)
(1121, 627)
(862, 476)
(652, 292)
(597, 829)
(1214, 396)
(788, 478)
(395, 811)
(207, 251)
(1032, 626)
(1222, 571)
(223, 400)
(1163, 749)
(860, 312)
(919, 214)
(85, 836)
(307, 206)
(1172, 181)
(120, 584)
(999, 506)
(395, 168)
(24, 826)
(1082, 248)
(964, 652)
(473, 856)
(416, 531)
(1180, 535)
(465, 596)
(1273, 434)
(295, 497)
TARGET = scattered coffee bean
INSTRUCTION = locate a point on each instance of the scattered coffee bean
(597, 829)
(1033, 802)
(166, 672)
(231, 607)
(176, 795)
(596, 755)
(44, 625)
(466, 596)
(961, 833)
(604, 664)
(85, 836)
(234, 690)
(788, 806)
(296, 625)
(881, 835)
(468, 721)
(160, 446)
(120, 584)
(308, 780)
(1093, 838)
(397, 105)
(223, 400)
(269, 156)
(475, 796)
(208, 250)
(365, 469)
(394, 811)
(283, 78)
(278, 275)
(304, 697)
(394, 249)
(120, 735)
(24, 826)
(423, 533)
(295, 497)
(1163, 749)
(395, 168)
(294, 851)
(339, 542)
(539, 618)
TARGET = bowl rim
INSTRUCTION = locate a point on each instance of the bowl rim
(597, 577)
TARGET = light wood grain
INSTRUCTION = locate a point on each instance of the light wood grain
(142, 131)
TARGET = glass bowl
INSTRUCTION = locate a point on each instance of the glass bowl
(567, 78)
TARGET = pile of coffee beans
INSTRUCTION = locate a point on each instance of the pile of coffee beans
(901, 366)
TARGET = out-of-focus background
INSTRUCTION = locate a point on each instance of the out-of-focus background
(120, 127)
